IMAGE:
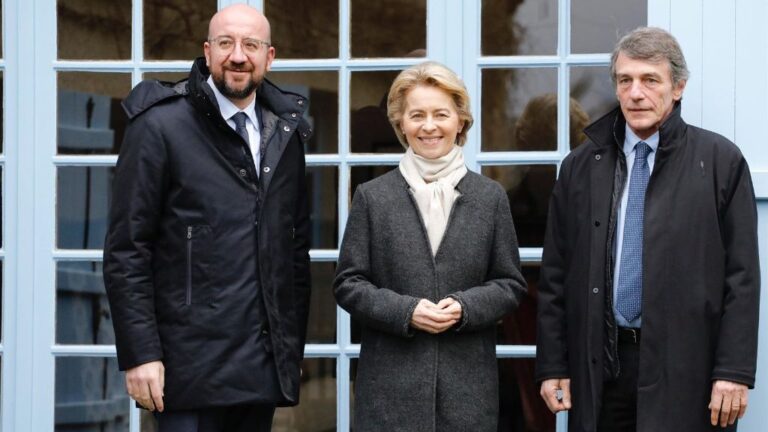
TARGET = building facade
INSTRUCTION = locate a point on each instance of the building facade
(537, 71)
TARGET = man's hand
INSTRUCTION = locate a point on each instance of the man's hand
(729, 401)
(145, 384)
(551, 389)
(436, 318)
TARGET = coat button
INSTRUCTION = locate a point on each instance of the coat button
(265, 332)
(286, 128)
(598, 157)
(300, 102)
(243, 172)
(594, 360)
(267, 169)
(294, 115)
(597, 223)
(595, 290)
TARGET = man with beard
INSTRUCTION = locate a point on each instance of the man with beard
(206, 260)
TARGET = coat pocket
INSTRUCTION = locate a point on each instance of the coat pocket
(198, 238)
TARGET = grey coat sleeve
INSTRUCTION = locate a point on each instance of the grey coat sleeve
(374, 306)
(484, 305)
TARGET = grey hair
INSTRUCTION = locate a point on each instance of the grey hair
(655, 45)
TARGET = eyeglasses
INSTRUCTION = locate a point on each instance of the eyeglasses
(226, 44)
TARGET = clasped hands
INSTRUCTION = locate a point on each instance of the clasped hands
(436, 318)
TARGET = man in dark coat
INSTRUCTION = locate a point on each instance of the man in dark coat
(648, 303)
(206, 261)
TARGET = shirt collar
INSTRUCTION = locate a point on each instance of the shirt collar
(630, 139)
(228, 109)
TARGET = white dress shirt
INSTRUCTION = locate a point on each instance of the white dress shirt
(228, 109)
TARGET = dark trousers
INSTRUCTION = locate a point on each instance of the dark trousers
(619, 411)
(242, 418)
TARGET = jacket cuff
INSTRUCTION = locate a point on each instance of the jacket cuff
(459, 326)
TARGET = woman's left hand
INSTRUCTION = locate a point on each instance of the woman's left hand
(449, 305)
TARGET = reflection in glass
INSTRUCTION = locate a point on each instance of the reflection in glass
(90, 395)
(317, 410)
(90, 118)
(518, 27)
(507, 95)
(596, 25)
(82, 309)
(592, 87)
(172, 77)
(388, 28)
(322, 307)
(94, 29)
(528, 189)
(316, 37)
(370, 131)
(361, 174)
(176, 29)
(520, 406)
(322, 91)
(323, 187)
(82, 204)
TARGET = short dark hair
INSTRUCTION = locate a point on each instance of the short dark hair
(655, 45)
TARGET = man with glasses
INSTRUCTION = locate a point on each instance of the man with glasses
(206, 261)
(649, 294)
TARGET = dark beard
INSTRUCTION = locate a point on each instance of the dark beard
(231, 93)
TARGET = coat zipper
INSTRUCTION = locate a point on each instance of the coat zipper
(189, 266)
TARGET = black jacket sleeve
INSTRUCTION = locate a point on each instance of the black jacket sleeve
(137, 203)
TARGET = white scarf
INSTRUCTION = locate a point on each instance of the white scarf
(433, 183)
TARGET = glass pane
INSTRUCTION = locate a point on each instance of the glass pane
(528, 189)
(323, 188)
(94, 29)
(361, 174)
(316, 37)
(317, 410)
(90, 118)
(515, 111)
(82, 204)
(82, 309)
(322, 307)
(598, 24)
(370, 131)
(147, 422)
(519, 27)
(592, 96)
(166, 76)
(176, 29)
(322, 91)
(1, 29)
(388, 28)
(520, 406)
(90, 395)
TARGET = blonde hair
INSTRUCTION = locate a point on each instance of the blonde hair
(431, 74)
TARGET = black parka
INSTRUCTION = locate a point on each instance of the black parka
(700, 275)
(204, 262)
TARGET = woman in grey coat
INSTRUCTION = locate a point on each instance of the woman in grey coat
(428, 265)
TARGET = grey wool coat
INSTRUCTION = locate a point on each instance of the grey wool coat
(409, 380)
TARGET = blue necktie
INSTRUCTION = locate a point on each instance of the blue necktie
(629, 293)
(239, 120)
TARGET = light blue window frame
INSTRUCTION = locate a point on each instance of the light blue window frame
(29, 161)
